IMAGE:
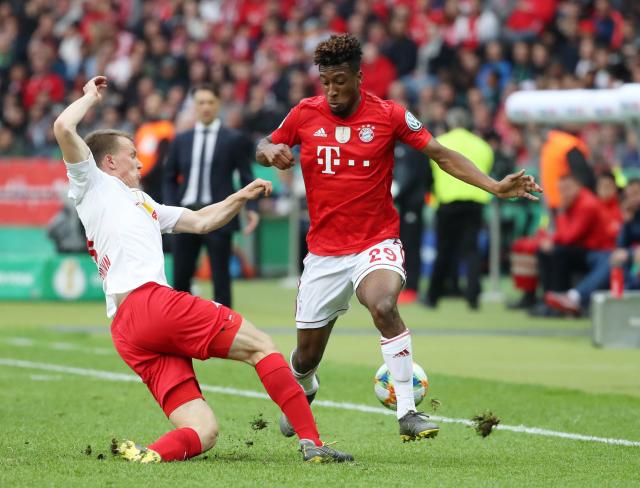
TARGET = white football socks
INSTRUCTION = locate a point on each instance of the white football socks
(308, 380)
(398, 357)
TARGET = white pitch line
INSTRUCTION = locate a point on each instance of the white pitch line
(58, 346)
(67, 346)
(108, 375)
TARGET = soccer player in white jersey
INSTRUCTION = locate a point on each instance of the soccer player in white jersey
(346, 139)
(155, 329)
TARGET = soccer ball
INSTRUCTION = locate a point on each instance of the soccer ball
(383, 386)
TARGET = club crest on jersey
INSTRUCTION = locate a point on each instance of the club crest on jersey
(343, 134)
(413, 123)
(366, 133)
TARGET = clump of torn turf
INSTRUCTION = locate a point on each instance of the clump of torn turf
(259, 423)
(435, 404)
(114, 446)
(87, 451)
(484, 423)
(248, 443)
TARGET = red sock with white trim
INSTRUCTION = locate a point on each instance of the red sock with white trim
(282, 387)
(398, 356)
(178, 445)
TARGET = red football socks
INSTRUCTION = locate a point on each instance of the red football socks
(282, 387)
(178, 445)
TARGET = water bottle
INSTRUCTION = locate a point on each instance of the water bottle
(616, 282)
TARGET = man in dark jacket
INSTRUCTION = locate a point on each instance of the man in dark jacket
(199, 171)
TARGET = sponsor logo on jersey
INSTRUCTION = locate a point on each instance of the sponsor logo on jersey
(366, 133)
(343, 134)
(330, 162)
(413, 123)
(320, 132)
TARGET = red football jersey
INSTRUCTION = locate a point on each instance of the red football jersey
(347, 166)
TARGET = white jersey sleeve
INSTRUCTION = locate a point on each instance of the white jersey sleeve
(83, 176)
(167, 215)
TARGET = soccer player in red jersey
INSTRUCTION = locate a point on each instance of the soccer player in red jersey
(346, 140)
(156, 329)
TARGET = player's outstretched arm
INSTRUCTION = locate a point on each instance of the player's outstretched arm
(214, 216)
(278, 155)
(458, 166)
(74, 149)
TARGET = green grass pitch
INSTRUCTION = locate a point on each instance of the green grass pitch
(534, 373)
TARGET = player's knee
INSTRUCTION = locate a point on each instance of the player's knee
(383, 309)
(207, 428)
(208, 433)
(262, 346)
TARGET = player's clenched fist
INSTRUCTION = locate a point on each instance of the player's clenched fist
(279, 155)
(256, 188)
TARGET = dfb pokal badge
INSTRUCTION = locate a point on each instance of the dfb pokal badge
(366, 133)
(343, 134)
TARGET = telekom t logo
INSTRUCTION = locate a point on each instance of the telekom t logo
(329, 161)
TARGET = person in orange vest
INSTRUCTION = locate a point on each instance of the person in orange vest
(152, 139)
(562, 154)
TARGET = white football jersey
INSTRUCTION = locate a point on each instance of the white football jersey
(123, 227)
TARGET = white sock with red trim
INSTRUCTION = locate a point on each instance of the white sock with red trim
(307, 381)
(398, 357)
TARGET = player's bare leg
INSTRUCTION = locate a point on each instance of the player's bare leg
(197, 415)
(196, 432)
(310, 347)
(305, 359)
(256, 348)
(379, 291)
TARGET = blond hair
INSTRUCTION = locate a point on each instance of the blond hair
(104, 141)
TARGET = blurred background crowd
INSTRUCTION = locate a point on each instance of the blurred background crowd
(431, 55)
(436, 57)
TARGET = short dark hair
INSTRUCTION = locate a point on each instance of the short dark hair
(210, 87)
(339, 49)
(104, 141)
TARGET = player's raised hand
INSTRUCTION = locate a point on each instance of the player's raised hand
(256, 188)
(518, 185)
(95, 86)
(280, 156)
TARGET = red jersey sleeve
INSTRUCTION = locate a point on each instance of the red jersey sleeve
(408, 128)
(287, 131)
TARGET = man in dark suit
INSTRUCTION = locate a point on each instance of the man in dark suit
(199, 171)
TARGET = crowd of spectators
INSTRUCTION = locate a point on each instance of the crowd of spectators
(432, 55)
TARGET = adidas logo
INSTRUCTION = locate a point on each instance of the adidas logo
(401, 354)
(320, 132)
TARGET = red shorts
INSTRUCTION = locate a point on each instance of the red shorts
(158, 330)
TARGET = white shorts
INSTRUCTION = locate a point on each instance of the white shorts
(328, 282)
